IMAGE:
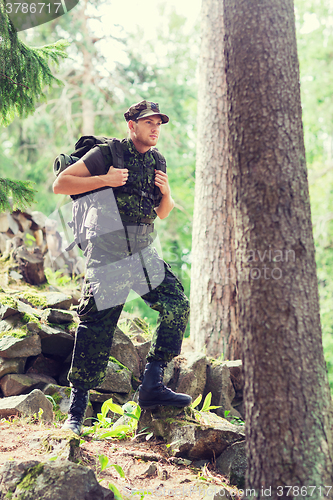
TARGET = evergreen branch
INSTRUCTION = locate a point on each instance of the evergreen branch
(22, 194)
(25, 71)
(3, 74)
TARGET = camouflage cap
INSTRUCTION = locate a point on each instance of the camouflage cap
(143, 109)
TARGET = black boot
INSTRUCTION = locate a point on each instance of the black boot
(152, 391)
(77, 409)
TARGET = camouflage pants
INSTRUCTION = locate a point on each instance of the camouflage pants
(103, 296)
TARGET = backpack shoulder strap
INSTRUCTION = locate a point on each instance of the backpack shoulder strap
(117, 152)
(160, 160)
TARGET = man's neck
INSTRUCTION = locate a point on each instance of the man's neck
(141, 148)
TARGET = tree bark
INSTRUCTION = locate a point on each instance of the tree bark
(213, 274)
(87, 50)
(287, 397)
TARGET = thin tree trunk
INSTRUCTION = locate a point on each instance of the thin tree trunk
(213, 279)
(287, 397)
(88, 112)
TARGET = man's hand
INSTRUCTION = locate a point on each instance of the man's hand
(161, 180)
(115, 177)
(167, 203)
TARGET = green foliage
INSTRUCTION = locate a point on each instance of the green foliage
(116, 492)
(22, 194)
(130, 410)
(206, 407)
(234, 419)
(24, 70)
(104, 464)
(315, 51)
(57, 278)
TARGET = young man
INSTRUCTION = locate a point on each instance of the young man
(120, 257)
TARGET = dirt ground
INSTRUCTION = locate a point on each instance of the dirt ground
(150, 472)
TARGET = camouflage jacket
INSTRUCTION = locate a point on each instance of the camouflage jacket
(138, 198)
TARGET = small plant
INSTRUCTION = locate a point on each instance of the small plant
(30, 240)
(57, 278)
(104, 464)
(206, 407)
(234, 419)
(131, 410)
(117, 495)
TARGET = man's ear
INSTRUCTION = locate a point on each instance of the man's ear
(130, 124)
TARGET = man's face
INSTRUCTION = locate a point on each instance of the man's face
(146, 131)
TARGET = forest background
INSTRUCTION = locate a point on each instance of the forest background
(111, 66)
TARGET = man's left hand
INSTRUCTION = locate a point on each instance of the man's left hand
(161, 180)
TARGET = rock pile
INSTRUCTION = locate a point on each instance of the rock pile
(37, 328)
(36, 242)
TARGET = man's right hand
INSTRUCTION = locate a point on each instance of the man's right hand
(115, 177)
(76, 179)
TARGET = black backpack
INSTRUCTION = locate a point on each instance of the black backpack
(82, 202)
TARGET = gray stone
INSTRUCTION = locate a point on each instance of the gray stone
(11, 322)
(236, 373)
(117, 379)
(38, 218)
(232, 463)
(7, 222)
(57, 316)
(12, 347)
(6, 311)
(99, 397)
(11, 365)
(14, 384)
(142, 349)
(205, 439)
(58, 300)
(221, 387)
(55, 341)
(58, 480)
(27, 405)
(237, 379)
(24, 308)
(3, 241)
(192, 376)
(61, 445)
(124, 351)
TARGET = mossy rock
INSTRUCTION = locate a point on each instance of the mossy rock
(63, 445)
(122, 367)
(30, 477)
(35, 299)
(7, 300)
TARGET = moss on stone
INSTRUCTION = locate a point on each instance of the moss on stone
(30, 477)
(8, 301)
(71, 326)
(68, 391)
(17, 333)
(29, 318)
(57, 397)
(114, 360)
(35, 299)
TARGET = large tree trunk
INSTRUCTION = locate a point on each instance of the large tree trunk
(287, 397)
(213, 275)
